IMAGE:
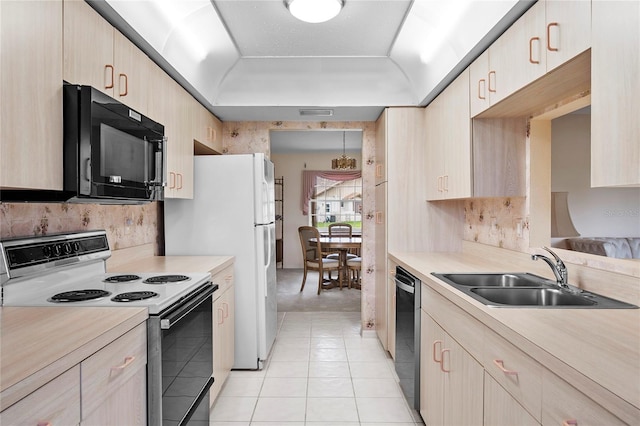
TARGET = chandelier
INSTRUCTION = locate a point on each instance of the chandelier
(343, 162)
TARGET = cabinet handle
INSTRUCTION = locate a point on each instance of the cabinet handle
(445, 179)
(484, 89)
(436, 343)
(552, 24)
(571, 422)
(440, 183)
(500, 364)
(492, 89)
(46, 423)
(228, 278)
(444, 351)
(172, 180)
(179, 181)
(379, 219)
(126, 84)
(226, 309)
(378, 170)
(220, 316)
(212, 134)
(531, 40)
(127, 361)
(108, 67)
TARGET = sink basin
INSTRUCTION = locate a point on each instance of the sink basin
(524, 290)
(532, 297)
(496, 280)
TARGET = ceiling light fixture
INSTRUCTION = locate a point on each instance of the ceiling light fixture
(343, 162)
(316, 112)
(314, 11)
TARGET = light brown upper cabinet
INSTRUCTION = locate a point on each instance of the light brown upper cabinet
(448, 139)
(96, 54)
(545, 37)
(31, 93)
(615, 94)
(207, 129)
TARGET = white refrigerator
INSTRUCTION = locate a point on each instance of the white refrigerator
(233, 213)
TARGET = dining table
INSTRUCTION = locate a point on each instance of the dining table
(341, 244)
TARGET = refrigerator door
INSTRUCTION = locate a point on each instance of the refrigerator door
(264, 190)
(266, 300)
(220, 220)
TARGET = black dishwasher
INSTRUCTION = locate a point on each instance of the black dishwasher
(407, 361)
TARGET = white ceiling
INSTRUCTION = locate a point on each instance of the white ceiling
(251, 60)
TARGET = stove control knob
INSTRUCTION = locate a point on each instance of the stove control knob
(66, 248)
(46, 251)
(75, 247)
(57, 249)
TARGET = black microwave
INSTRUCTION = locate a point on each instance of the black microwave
(112, 153)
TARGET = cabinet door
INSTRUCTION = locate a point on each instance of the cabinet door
(615, 93)
(432, 397)
(434, 114)
(88, 47)
(132, 68)
(456, 126)
(479, 84)
(206, 128)
(500, 408)
(518, 56)
(568, 33)
(56, 403)
(218, 348)
(382, 325)
(31, 93)
(127, 406)
(230, 332)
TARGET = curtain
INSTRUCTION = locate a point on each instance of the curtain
(309, 182)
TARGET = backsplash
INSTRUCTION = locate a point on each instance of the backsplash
(126, 226)
(499, 222)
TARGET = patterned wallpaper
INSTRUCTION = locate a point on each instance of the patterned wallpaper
(126, 226)
(499, 222)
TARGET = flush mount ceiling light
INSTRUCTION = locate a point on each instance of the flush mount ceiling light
(344, 162)
(314, 11)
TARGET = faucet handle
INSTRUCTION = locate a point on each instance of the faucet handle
(555, 256)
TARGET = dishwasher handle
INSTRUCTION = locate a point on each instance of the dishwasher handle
(405, 284)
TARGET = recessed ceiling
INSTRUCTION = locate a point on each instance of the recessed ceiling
(249, 60)
(315, 141)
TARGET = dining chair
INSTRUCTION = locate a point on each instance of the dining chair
(355, 267)
(312, 257)
(340, 229)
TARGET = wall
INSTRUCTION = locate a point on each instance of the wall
(498, 222)
(249, 137)
(595, 212)
(126, 226)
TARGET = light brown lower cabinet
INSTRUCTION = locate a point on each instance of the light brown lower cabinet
(107, 388)
(49, 404)
(451, 379)
(470, 375)
(223, 330)
(564, 405)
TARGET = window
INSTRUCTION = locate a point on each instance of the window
(336, 201)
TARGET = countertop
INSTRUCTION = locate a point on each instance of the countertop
(38, 344)
(175, 264)
(597, 350)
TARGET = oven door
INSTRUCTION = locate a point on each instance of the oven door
(180, 361)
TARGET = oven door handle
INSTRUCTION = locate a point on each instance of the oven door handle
(166, 322)
(197, 402)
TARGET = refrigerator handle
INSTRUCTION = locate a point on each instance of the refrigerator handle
(267, 260)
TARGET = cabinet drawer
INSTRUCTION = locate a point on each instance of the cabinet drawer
(111, 367)
(500, 408)
(224, 279)
(562, 404)
(56, 403)
(520, 375)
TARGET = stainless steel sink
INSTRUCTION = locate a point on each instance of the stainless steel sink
(531, 297)
(496, 280)
(526, 290)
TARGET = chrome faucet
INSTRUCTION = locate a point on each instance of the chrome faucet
(558, 268)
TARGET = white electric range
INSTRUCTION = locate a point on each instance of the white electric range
(70, 270)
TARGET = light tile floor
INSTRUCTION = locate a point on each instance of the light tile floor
(320, 372)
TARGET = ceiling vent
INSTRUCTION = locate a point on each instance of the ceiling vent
(316, 112)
